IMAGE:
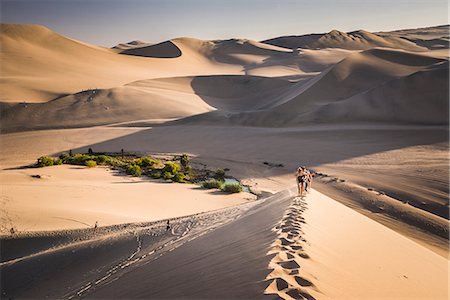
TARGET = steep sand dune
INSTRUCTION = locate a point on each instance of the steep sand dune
(39, 65)
(356, 74)
(356, 40)
(420, 98)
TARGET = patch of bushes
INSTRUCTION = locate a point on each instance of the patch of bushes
(134, 170)
(47, 161)
(212, 184)
(145, 162)
(103, 159)
(90, 163)
(171, 167)
(80, 159)
(232, 188)
(64, 157)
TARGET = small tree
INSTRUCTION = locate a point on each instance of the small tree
(90, 151)
(184, 160)
(70, 153)
(220, 174)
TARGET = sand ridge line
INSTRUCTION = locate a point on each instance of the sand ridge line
(287, 250)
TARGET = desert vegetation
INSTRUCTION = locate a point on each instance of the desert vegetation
(175, 169)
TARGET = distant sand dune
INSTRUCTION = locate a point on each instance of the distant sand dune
(356, 40)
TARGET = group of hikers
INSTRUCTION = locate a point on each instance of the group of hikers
(304, 179)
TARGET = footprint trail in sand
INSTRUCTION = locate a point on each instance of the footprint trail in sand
(286, 278)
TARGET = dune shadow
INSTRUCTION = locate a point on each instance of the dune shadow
(162, 50)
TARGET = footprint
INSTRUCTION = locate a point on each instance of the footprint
(302, 281)
(290, 264)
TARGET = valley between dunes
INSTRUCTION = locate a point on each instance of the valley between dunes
(367, 111)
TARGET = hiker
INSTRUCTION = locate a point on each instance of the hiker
(96, 225)
(301, 177)
(308, 181)
(168, 225)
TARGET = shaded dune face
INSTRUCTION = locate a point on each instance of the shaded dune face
(162, 50)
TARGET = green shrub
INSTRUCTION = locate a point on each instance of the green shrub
(64, 157)
(103, 159)
(134, 170)
(167, 175)
(115, 162)
(220, 174)
(179, 177)
(171, 167)
(156, 174)
(90, 163)
(212, 184)
(184, 160)
(145, 162)
(80, 159)
(232, 188)
(45, 161)
(57, 161)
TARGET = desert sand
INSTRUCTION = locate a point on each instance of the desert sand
(367, 111)
(63, 199)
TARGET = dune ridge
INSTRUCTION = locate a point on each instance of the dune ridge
(363, 40)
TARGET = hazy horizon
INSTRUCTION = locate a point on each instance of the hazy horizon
(109, 22)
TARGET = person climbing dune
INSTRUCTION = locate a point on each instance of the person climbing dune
(301, 177)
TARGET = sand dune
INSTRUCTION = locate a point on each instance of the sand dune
(309, 257)
(356, 40)
(417, 98)
(145, 100)
(39, 65)
(432, 37)
(372, 74)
